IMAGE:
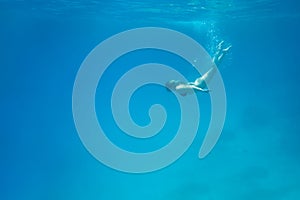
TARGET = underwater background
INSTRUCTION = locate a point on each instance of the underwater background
(42, 45)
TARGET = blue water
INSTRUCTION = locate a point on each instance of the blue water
(42, 45)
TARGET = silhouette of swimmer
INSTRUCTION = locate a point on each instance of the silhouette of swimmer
(200, 83)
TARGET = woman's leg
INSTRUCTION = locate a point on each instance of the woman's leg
(219, 55)
(205, 78)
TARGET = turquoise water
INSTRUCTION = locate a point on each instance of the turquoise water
(42, 46)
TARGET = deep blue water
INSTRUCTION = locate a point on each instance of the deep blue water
(42, 45)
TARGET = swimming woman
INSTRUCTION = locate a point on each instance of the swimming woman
(200, 83)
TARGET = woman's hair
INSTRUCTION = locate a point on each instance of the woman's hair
(171, 85)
